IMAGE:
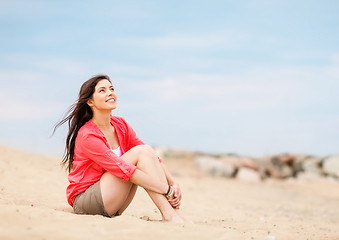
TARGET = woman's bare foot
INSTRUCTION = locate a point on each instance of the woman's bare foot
(184, 218)
(174, 218)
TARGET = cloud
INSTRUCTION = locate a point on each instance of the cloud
(17, 107)
(254, 89)
(185, 40)
(261, 99)
(332, 71)
(35, 94)
(40, 64)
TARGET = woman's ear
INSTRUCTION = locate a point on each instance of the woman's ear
(90, 103)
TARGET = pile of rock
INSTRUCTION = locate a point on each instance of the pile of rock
(288, 165)
(230, 166)
(280, 166)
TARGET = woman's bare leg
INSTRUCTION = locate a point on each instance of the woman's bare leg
(129, 198)
(148, 162)
(118, 194)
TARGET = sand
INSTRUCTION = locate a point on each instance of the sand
(33, 206)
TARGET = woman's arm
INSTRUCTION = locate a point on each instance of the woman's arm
(169, 176)
(93, 146)
(176, 200)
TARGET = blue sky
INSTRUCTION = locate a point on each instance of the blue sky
(247, 77)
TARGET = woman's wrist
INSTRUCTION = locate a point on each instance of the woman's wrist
(171, 182)
(170, 192)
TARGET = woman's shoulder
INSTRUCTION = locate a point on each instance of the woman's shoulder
(120, 122)
(118, 119)
(88, 128)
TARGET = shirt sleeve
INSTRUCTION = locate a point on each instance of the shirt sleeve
(94, 147)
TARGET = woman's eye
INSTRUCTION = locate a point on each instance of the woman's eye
(102, 90)
(112, 89)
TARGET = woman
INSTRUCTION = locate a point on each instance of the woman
(107, 161)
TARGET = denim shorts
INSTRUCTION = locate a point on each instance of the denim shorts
(90, 202)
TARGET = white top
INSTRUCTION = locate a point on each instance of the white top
(117, 151)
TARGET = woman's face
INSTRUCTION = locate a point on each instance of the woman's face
(104, 97)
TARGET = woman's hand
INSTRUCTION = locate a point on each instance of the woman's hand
(175, 201)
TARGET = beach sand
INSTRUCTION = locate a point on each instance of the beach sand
(33, 206)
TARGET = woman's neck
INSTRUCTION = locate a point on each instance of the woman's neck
(102, 119)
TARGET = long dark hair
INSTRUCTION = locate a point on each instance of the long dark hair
(78, 114)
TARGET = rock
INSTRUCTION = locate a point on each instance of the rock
(312, 165)
(249, 163)
(215, 167)
(248, 175)
(262, 164)
(309, 177)
(331, 166)
(283, 159)
(298, 163)
(275, 171)
(246, 162)
(238, 161)
(278, 166)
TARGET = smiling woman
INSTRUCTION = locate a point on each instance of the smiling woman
(104, 97)
(107, 161)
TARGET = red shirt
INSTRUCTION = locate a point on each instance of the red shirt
(93, 156)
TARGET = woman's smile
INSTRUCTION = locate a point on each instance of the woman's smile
(110, 100)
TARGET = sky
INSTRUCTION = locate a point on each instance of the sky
(246, 77)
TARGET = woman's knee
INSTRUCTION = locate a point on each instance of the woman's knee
(148, 151)
(144, 150)
(140, 152)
